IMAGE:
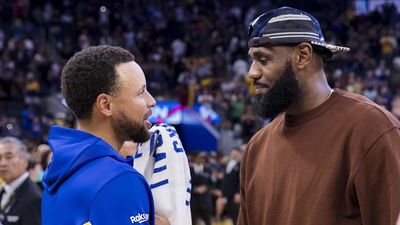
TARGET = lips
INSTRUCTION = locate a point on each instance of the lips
(146, 121)
(260, 87)
(147, 115)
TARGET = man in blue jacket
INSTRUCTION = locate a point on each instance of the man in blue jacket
(88, 182)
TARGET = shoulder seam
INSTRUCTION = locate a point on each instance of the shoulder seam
(373, 106)
(370, 147)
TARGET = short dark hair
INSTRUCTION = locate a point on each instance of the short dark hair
(43, 159)
(89, 73)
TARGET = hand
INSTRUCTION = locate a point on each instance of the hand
(221, 201)
(200, 189)
(162, 221)
(217, 193)
(236, 198)
(128, 149)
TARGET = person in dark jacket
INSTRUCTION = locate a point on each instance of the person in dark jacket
(230, 186)
(20, 198)
(201, 202)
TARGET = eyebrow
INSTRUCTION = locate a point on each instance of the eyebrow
(8, 153)
(259, 53)
(142, 89)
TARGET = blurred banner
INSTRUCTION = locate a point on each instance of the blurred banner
(164, 111)
(192, 124)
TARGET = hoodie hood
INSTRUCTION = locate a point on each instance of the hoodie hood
(73, 149)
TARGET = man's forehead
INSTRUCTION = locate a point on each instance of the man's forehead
(268, 50)
(261, 49)
(8, 148)
(130, 72)
(129, 67)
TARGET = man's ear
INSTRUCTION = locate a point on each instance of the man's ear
(303, 55)
(25, 162)
(104, 104)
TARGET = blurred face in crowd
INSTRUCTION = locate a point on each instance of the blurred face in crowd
(273, 78)
(200, 159)
(12, 162)
(133, 104)
(35, 173)
(236, 154)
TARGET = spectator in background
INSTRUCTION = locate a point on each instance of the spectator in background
(35, 171)
(230, 187)
(201, 204)
(388, 44)
(20, 197)
(327, 153)
(249, 123)
(43, 156)
(227, 138)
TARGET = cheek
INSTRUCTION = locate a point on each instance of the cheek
(21, 164)
(141, 107)
(269, 74)
(274, 70)
(137, 113)
(139, 103)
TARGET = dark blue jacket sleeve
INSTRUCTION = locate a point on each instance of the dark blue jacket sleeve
(124, 200)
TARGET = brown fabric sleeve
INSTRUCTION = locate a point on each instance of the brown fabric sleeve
(377, 180)
(242, 218)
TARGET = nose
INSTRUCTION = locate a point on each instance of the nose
(254, 71)
(151, 102)
(3, 162)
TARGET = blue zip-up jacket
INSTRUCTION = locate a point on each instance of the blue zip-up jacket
(88, 182)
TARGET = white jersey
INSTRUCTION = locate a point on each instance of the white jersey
(163, 162)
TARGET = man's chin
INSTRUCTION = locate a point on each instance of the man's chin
(261, 91)
(141, 137)
(266, 109)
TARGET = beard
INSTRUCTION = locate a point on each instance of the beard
(131, 130)
(284, 92)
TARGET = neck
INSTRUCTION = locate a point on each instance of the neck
(313, 93)
(103, 131)
(24, 174)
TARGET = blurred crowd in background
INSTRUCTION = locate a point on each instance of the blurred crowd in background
(194, 52)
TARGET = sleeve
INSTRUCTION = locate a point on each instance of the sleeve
(242, 218)
(32, 212)
(377, 180)
(124, 200)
